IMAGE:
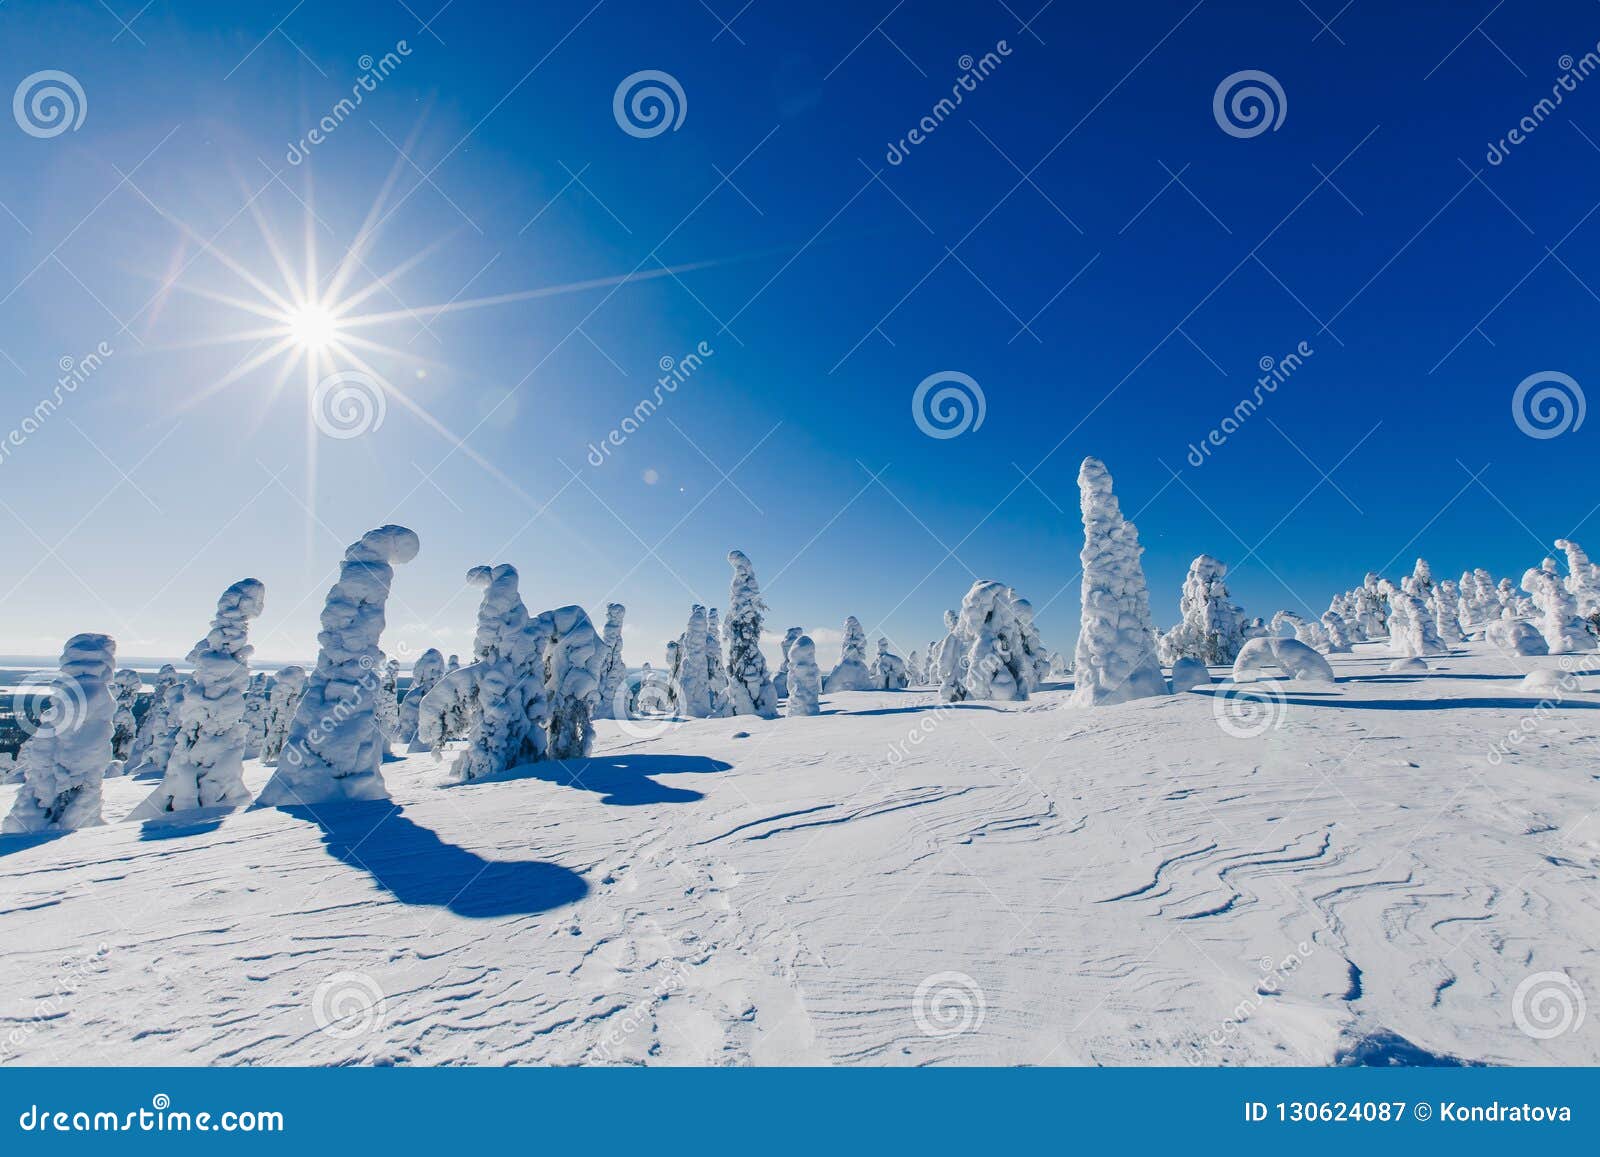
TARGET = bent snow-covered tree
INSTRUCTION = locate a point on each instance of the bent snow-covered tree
(805, 680)
(63, 764)
(716, 673)
(207, 765)
(850, 673)
(1212, 627)
(1116, 655)
(333, 750)
(613, 670)
(425, 672)
(750, 690)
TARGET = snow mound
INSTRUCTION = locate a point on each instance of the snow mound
(1187, 673)
(1292, 657)
(1409, 663)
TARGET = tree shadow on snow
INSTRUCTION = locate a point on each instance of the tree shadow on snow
(1511, 702)
(415, 866)
(1416, 676)
(21, 842)
(619, 780)
(917, 710)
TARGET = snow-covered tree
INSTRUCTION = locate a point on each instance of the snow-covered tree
(1333, 626)
(1516, 636)
(333, 750)
(1372, 609)
(674, 673)
(805, 680)
(945, 663)
(1060, 667)
(888, 669)
(387, 713)
(207, 765)
(1445, 606)
(780, 681)
(1034, 666)
(425, 673)
(1212, 628)
(283, 700)
(257, 697)
(750, 689)
(914, 669)
(993, 666)
(503, 688)
(1583, 579)
(1412, 630)
(716, 673)
(1563, 630)
(573, 655)
(125, 687)
(613, 670)
(693, 674)
(158, 730)
(1116, 655)
(63, 764)
(850, 673)
(1421, 584)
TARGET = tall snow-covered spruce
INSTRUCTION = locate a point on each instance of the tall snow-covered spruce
(158, 730)
(780, 681)
(750, 690)
(333, 750)
(207, 765)
(283, 700)
(1116, 656)
(63, 764)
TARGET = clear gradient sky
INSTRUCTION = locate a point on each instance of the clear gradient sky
(1081, 236)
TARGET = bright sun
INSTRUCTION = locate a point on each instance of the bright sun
(313, 327)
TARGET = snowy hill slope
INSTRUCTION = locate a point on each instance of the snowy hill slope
(1023, 884)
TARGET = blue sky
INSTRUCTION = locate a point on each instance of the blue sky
(1080, 236)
